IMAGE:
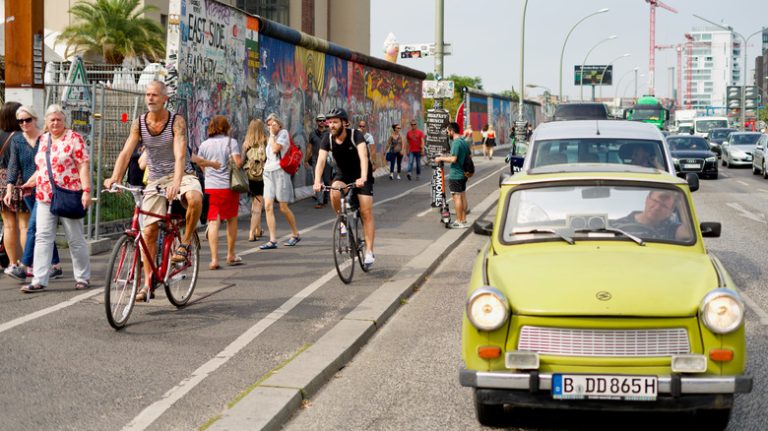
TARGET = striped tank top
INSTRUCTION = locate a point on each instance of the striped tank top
(159, 148)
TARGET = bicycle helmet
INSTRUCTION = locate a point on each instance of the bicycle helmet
(337, 113)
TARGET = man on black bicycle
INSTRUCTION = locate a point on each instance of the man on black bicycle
(353, 165)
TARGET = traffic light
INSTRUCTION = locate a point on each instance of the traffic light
(751, 100)
(733, 96)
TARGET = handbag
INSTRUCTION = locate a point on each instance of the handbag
(238, 180)
(291, 160)
(64, 203)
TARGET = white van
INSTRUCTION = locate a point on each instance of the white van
(702, 125)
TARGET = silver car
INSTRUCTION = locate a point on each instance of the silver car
(564, 145)
(758, 157)
(738, 149)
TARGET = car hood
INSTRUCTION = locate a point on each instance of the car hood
(744, 148)
(692, 154)
(640, 281)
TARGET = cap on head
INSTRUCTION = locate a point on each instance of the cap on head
(320, 117)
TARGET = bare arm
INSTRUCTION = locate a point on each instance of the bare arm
(362, 152)
(121, 164)
(322, 156)
(85, 182)
(179, 155)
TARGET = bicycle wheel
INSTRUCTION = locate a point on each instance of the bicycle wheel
(182, 277)
(343, 249)
(360, 247)
(123, 278)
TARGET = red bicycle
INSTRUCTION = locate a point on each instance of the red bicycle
(125, 270)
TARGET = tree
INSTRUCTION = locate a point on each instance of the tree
(459, 83)
(113, 30)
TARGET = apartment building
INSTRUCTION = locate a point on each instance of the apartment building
(715, 64)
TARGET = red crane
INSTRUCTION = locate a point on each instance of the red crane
(652, 57)
(684, 97)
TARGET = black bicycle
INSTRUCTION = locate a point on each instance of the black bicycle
(348, 241)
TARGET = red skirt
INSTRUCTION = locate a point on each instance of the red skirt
(222, 204)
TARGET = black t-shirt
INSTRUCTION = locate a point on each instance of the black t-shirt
(665, 230)
(346, 157)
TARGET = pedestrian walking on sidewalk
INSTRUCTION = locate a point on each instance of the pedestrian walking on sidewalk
(255, 151)
(61, 160)
(362, 127)
(21, 168)
(14, 212)
(415, 139)
(395, 151)
(457, 180)
(277, 183)
(489, 141)
(224, 202)
(313, 148)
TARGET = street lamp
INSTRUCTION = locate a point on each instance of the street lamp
(602, 75)
(581, 75)
(521, 133)
(637, 77)
(744, 71)
(562, 51)
(616, 91)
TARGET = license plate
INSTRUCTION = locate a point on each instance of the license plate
(691, 166)
(612, 387)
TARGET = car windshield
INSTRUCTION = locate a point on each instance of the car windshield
(597, 211)
(649, 113)
(704, 126)
(644, 153)
(744, 139)
(720, 134)
(687, 144)
(581, 112)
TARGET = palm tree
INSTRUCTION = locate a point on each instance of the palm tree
(113, 29)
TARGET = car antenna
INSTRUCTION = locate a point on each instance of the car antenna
(597, 127)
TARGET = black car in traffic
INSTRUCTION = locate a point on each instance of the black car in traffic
(691, 154)
(717, 136)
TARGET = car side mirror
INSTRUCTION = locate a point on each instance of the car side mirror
(693, 181)
(710, 229)
(483, 228)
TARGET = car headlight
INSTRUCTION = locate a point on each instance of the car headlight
(722, 311)
(675, 161)
(712, 159)
(487, 309)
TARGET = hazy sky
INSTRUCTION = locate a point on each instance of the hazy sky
(485, 35)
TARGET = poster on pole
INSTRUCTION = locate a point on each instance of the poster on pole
(436, 141)
(593, 75)
(431, 89)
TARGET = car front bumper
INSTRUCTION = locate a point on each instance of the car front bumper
(675, 392)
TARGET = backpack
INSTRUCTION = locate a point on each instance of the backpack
(255, 158)
(468, 166)
(291, 160)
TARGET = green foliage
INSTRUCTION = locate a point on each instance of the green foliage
(114, 30)
(116, 206)
(459, 82)
(512, 94)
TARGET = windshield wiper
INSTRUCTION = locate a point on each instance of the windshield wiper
(567, 239)
(636, 239)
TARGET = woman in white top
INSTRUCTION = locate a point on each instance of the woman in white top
(277, 183)
(223, 202)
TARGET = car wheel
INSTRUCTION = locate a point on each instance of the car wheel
(765, 173)
(723, 162)
(713, 176)
(755, 171)
(490, 415)
(715, 419)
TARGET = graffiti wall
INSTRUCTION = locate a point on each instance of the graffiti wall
(501, 112)
(220, 61)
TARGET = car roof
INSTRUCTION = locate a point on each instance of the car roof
(630, 173)
(606, 129)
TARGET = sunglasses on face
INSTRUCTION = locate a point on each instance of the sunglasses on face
(26, 120)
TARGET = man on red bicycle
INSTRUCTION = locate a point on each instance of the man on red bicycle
(350, 152)
(164, 137)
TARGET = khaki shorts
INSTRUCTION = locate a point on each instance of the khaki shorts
(158, 204)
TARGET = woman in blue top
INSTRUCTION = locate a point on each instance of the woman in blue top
(21, 165)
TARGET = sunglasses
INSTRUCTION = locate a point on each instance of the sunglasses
(413, 124)
(361, 127)
(26, 120)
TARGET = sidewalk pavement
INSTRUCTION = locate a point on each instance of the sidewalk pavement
(270, 403)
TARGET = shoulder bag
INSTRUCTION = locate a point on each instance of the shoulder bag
(291, 160)
(238, 181)
(64, 203)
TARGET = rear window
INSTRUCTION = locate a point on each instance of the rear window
(581, 112)
(745, 139)
(646, 153)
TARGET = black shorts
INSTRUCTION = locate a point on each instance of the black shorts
(457, 186)
(365, 190)
(255, 187)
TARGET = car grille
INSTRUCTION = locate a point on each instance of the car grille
(597, 342)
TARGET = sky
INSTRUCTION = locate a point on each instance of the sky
(485, 38)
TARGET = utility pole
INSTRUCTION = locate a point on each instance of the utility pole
(439, 45)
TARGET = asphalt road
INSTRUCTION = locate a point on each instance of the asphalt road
(63, 367)
(407, 375)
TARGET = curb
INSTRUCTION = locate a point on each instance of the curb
(273, 402)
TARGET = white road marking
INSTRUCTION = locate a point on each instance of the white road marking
(743, 183)
(427, 211)
(40, 313)
(156, 409)
(762, 190)
(760, 218)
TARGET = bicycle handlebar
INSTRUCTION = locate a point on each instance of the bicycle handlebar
(339, 188)
(136, 190)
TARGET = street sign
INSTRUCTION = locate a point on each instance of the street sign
(437, 136)
(421, 50)
(593, 75)
(431, 89)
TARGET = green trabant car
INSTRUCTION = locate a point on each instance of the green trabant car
(596, 292)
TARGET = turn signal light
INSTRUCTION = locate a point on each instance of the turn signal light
(489, 352)
(721, 355)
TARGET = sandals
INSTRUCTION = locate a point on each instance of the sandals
(236, 261)
(181, 253)
(142, 295)
(82, 285)
(214, 267)
(269, 245)
(32, 288)
(292, 241)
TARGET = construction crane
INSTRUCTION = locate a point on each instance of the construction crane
(684, 98)
(652, 48)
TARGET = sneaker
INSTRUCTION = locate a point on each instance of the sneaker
(391, 177)
(55, 273)
(398, 176)
(292, 241)
(458, 225)
(17, 272)
(369, 259)
(408, 175)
